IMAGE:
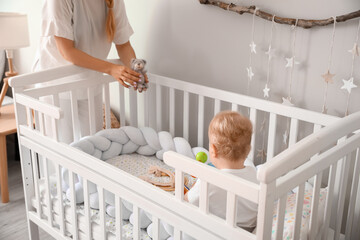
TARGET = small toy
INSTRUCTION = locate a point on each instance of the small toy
(162, 172)
(138, 65)
(201, 157)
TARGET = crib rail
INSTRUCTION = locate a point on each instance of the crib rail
(36, 105)
(332, 149)
(307, 147)
(210, 175)
(243, 100)
(174, 105)
(28, 79)
(149, 198)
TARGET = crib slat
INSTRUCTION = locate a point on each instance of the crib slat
(329, 200)
(177, 233)
(87, 209)
(217, 106)
(317, 127)
(204, 199)
(265, 210)
(158, 107)
(102, 212)
(172, 111)
(155, 228)
(142, 109)
(294, 127)
(106, 93)
(48, 194)
(315, 206)
(337, 185)
(118, 218)
(253, 115)
(75, 115)
(136, 228)
(29, 118)
(356, 220)
(179, 184)
(280, 215)
(91, 103)
(122, 105)
(56, 100)
(201, 121)
(271, 136)
(230, 209)
(186, 116)
(73, 206)
(36, 119)
(344, 174)
(146, 105)
(42, 131)
(234, 107)
(35, 165)
(60, 199)
(354, 187)
(41, 122)
(54, 127)
(299, 211)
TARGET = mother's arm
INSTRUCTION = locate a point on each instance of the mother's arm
(70, 53)
(126, 53)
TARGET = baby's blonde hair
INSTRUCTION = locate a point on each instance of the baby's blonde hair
(231, 132)
(110, 21)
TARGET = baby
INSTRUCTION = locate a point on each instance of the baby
(229, 144)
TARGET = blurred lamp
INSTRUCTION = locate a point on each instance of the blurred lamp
(14, 35)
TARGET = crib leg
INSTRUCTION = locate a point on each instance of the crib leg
(33, 231)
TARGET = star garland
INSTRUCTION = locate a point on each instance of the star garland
(291, 62)
(328, 77)
(252, 46)
(271, 53)
(349, 84)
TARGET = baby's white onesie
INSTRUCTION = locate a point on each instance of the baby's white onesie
(246, 210)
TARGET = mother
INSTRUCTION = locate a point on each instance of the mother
(81, 32)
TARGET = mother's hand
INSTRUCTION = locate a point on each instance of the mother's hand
(124, 74)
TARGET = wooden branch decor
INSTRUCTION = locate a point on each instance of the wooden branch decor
(304, 23)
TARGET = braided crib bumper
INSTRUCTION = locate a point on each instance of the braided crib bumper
(109, 143)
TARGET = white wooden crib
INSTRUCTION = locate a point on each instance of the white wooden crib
(327, 154)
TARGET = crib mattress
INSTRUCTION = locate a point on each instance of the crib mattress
(138, 165)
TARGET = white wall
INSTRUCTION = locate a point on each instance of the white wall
(206, 45)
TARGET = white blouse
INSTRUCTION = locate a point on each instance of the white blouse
(82, 21)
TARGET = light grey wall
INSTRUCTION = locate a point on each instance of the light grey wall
(206, 45)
